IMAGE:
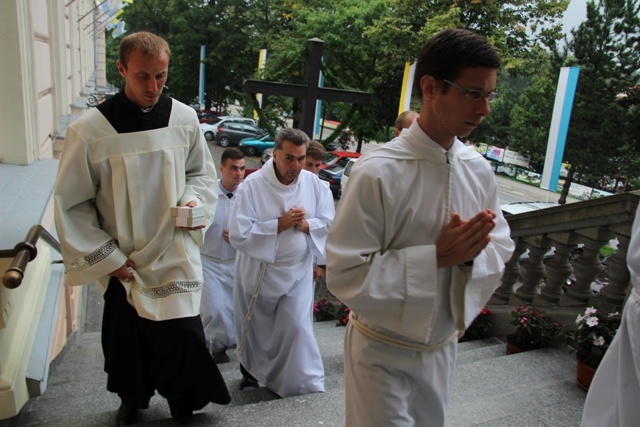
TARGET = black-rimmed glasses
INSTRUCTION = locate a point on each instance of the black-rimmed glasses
(474, 94)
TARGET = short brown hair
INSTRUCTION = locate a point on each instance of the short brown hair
(146, 43)
(232, 153)
(316, 150)
(295, 136)
(448, 53)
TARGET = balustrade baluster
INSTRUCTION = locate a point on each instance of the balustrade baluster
(532, 271)
(612, 296)
(586, 268)
(558, 270)
(510, 277)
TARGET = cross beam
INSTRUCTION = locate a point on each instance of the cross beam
(309, 91)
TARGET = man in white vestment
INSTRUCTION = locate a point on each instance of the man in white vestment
(313, 161)
(280, 221)
(419, 244)
(614, 395)
(126, 165)
(218, 258)
(404, 121)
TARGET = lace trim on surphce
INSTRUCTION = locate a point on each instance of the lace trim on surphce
(83, 262)
(171, 288)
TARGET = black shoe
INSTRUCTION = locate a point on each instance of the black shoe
(221, 357)
(248, 381)
(181, 414)
(126, 415)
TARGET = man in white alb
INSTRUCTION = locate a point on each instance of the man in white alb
(125, 166)
(316, 154)
(614, 393)
(404, 121)
(218, 258)
(419, 243)
(280, 222)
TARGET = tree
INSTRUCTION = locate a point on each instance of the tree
(606, 47)
(531, 116)
(187, 25)
(367, 43)
(496, 128)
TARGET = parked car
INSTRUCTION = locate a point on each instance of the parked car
(333, 174)
(345, 174)
(254, 146)
(333, 157)
(249, 171)
(210, 128)
(230, 133)
(207, 115)
(522, 207)
(266, 155)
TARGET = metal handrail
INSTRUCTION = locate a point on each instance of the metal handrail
(23, 252)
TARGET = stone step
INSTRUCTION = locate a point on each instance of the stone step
(489, 389)
(538, 386)
(473, 351)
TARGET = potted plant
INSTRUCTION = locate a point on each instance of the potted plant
(591, 339)
(534, 329)
(323, 310)
(480, 327)
(342, 315)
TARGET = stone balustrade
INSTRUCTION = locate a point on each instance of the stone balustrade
(552, 244)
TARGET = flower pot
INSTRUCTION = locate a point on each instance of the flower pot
(584, 374)
(511, 347)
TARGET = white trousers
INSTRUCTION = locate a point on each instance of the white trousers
(388, 386)
(216, 305)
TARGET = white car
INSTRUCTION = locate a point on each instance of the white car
(522, 207)
(211, 128)
(266, 155)
(345, 174)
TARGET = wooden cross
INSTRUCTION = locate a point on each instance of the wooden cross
(310, 91)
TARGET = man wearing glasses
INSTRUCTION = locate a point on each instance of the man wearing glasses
(419, 244)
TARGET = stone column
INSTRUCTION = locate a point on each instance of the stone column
(510, 277)
(533, 270)
(587, 267)
(558, 269)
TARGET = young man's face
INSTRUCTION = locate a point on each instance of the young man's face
(144, 77)
(450, 113)
(289, 161)
(232, 173)
(312, 165)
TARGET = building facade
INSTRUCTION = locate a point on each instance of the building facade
(52, 61)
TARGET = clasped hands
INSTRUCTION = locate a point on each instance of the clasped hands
(461, 241)
(294, 217)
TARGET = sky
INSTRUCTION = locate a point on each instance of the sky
(575, 15)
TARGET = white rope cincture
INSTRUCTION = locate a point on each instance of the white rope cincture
(254, 298)
(396, 342)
